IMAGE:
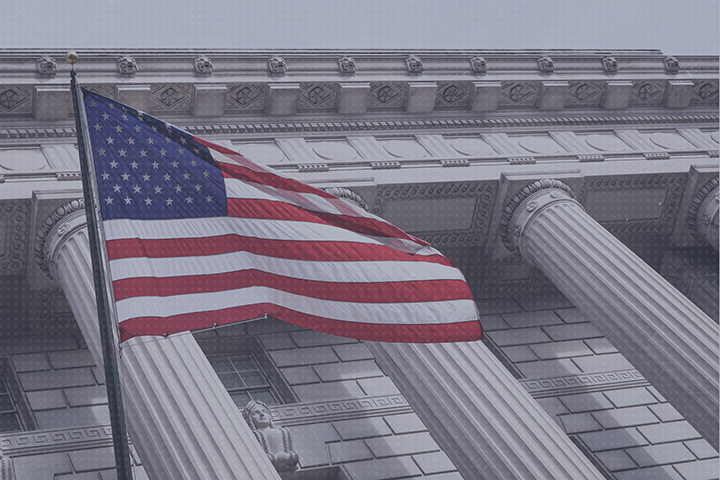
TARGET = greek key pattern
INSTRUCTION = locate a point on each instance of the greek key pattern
(54, 440)
(583, 383)
(305, 413)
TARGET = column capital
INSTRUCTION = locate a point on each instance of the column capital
(524, 205)
(56, 226)
(703, 213)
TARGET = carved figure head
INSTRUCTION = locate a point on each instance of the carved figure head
(414, 64)
(127, 65)
(203, 64)
(610, 64)
(276, 64)
(546, 64)
(347, 64)
(257, 415)
(46, 65)
(672, 64)
(479, 64)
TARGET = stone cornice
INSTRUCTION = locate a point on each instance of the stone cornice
(379, 125)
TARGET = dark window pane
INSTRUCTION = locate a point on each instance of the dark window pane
(231, 380)
(6, 403)
(264, 395)
(253, 379)
(9, 422)
(243, 362)
(240, 398)
(221, 364)
(3, 387)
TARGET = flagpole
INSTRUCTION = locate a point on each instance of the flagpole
(112, 380)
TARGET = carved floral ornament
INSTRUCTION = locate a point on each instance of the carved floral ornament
(347, 64)
(703, 208)
(127, 65)
(203, 64)
(276, 64)
(46, 65)
(414, 64)
(42, 253)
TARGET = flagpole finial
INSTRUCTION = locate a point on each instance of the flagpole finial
(71, 58)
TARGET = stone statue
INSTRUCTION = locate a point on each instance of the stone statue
(276, 441)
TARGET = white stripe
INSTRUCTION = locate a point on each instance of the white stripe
(250, 227)
(341, 272)
(387, 313)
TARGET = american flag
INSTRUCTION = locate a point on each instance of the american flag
(198, 236)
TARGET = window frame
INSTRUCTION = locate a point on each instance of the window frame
(25, 416)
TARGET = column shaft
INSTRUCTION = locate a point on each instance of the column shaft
(480, 415)
(181, 419)
(663, 334)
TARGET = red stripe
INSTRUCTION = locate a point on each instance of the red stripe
(320, 251)
(444, 332)
(358, 292)
(278, 210)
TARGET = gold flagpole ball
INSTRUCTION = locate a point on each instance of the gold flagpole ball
(71, 58)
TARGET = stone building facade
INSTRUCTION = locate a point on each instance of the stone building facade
(577, 191)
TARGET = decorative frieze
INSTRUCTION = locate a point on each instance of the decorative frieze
(704, 91)
(584, 93)
(16, 100)
(245, 97)
(516, 94)
(172, 98)
(452, 95)
(387, 95)
(647, 92)
(14, 220)
(317, 96)
(591, 382)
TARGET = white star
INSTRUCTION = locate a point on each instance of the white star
(125, 177)
(124, 117)
(155, 165)
(206, 174)
(174, 163)
(140, 116)
(136, 188)
(106, 116)
(150, 141)
(114, 164)
(109, 200)
(146, 177)
(196, 150)
(181, 151)
(93, 103)
(209, 198)
(128, 200)
(189, 199)
(182, 140)
(186, 175)
(134, 164)
(101, 152)
(105, 176)
(143, 153)
(167, 140)
(97, 127)
(138, 128)
(166, 177)
(110, 140)
(158, 189)
(116, 188)
(193, 162)
(148, 201)
(154, 128)
(131, 141)
(163, 152)
(118, 128)
(111, 106)
(178, 188)
(198, 187)
(122, 152)
(169, 201)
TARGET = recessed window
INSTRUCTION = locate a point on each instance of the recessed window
(9, 419)
(243, 379)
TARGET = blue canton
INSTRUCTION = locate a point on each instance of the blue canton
(149, 169)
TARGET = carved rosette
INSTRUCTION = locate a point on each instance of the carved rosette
(610, 65)
(414, 64)
(348, 195)
(525, 204)
(54, 229)
(478, 64)
(672, 64)
(347, 64)
(276, 64)
(127, 65)
(703, 214)
(46, 65)
(546, 64)
(203, 65)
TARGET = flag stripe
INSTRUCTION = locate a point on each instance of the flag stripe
(366, 271)
(291, 249)
(424, 312)
(374, 292)
(433, 332)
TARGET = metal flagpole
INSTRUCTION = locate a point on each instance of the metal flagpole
(112, 380)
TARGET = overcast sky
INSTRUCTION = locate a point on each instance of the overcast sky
(677, 27)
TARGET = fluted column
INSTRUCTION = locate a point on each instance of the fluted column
(704, 212)
(181, 419)
(480, 415)
(662, 333)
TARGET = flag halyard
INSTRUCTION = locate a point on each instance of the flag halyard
(198, 235)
